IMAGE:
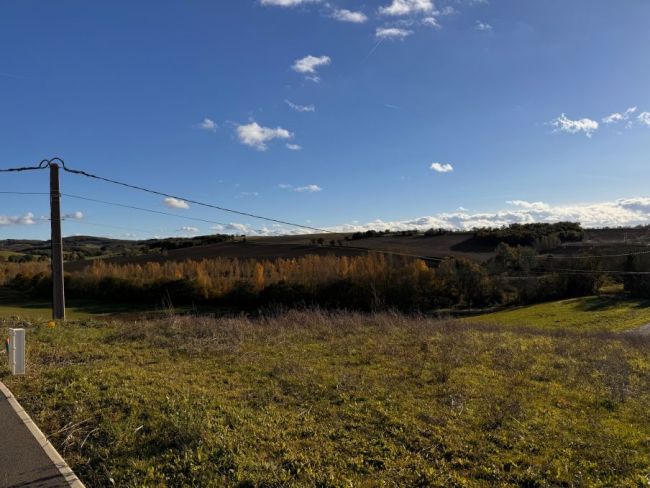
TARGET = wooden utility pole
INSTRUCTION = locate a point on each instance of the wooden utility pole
(58, 295)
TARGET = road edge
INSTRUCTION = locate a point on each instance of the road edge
(49, 449)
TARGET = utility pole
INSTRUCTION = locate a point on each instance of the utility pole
(58, 296)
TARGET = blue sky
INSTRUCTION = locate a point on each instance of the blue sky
(203, 99)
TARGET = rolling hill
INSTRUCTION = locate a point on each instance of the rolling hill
(82, 250)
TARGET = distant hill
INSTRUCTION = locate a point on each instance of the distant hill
(78, 248)
(477, 245)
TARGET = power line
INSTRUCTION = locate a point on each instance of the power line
(23, 193)
(84, 222)
(155, 192)
(44, 164)
(395, 253)
(142, 209)
(588, 256)
(189, 200)
(563, 271)
(94, 224)
(540, 274)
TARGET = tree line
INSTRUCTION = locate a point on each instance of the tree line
(516, 275)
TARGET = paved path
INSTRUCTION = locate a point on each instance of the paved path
(27, 459)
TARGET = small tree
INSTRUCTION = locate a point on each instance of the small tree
(465, 279)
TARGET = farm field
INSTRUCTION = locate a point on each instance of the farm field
(316, 399)
(232, 250)
(291, 247)
(459, 244)
(456, 244)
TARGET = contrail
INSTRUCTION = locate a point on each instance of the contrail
(373, 49)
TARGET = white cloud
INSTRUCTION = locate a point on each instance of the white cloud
(309, 64)
(622, 212)
(345, 15)
(619, 117)
(189, 230)
(431, 22)
(300, 108)
(27, 219)
(528, 205)
(308, 189)
(407, 7)
(636, 204)
(209, 125)
(448, 10)
(294, 147)
(644, 118)
(615, 117)
(74, 216)
(392, 33)
(238, 228)
(287, 3)
(442, 168)
(482, 26)
(615, 213)
(175, 203)
(285, 186)
(564, 124)
(254, 135)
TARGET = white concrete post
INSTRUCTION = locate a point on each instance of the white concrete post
(17, 351)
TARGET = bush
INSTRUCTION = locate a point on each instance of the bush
(530, 234)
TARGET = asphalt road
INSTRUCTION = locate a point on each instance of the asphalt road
(23, 462)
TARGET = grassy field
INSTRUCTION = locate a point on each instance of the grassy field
(584, 314)
(313, 399)
(76, 310)
(14, 304)
(7, 254)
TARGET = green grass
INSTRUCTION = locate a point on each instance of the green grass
(311, 399)
(42, 311)
(584, 314)
(7, 254)
(15, 304)
(75, 310)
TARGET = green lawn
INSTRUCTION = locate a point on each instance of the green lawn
(313, 399)
(584, 314)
